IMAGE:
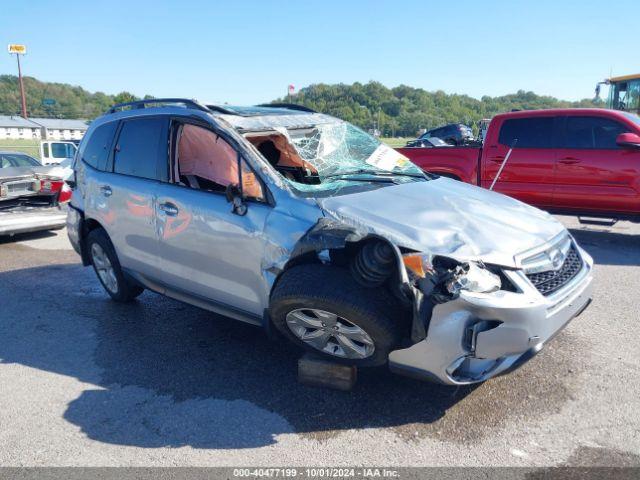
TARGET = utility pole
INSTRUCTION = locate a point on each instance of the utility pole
(20, 50)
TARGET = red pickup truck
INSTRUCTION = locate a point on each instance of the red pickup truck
(575, 161)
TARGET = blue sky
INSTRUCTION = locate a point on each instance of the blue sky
(249, 51)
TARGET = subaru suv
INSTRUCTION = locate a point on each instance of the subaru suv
(283, 217)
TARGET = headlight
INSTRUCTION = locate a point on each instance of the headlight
(455, 276)
(475, 278)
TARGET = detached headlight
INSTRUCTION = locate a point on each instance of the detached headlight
(474, 278)
(452, 275)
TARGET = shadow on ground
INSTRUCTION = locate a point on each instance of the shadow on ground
(609, 248)
(19, 237)
(168, 374)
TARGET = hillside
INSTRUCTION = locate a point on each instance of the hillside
(398, 111)
(403, 110)
(70, 101)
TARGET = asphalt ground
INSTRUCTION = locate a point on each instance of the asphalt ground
(87, 382)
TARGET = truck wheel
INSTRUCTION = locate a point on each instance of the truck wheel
(323, 309)
(107, 267)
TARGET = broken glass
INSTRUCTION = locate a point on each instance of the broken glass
(340, 152)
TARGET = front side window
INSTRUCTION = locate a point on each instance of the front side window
(592, 133)
(141, 149)
(534, 132)
(206, 161)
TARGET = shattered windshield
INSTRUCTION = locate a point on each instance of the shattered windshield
(335, 154)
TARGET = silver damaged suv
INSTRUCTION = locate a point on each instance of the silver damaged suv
(280, 216)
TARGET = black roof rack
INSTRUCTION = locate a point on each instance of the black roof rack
(290, 106)
(221, 109)
(143, 104)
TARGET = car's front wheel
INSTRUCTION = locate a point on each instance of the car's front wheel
(107, 267)
(324, 310)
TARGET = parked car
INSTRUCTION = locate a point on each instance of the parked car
(31, 195)
(453, 134)
(427, 142)
(574, 161)
(55, 152)
(287, 218)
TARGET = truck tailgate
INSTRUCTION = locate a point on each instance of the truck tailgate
(459, 162)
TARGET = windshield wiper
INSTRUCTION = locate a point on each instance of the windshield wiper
(376, 173)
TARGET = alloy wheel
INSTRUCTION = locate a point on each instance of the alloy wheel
(104, 268)
(330, 333)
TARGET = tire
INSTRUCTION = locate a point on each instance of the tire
(116, 285)
(308, 289)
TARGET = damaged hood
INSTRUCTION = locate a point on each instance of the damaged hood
(447, 217)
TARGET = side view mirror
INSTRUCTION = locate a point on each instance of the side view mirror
(234, 196)
(628, 140)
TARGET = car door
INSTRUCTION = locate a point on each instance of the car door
(128, 191)
(528, 174)
(208, 251)
(593, 173)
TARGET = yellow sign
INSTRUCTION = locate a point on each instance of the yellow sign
(19, 49)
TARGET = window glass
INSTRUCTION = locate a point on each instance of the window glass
(592, 133)
(142, 148)
(530, 132)
(45, 150)
(96, 150)
(633, 117)
(205, 160)
(17, 160)
(251, 186)
(62, 150)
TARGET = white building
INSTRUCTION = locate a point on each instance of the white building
(61, 129)
(15, 127)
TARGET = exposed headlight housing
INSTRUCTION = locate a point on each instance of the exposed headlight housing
(474, 278)
(455, 276)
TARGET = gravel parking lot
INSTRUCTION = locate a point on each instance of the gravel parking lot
(85, 381)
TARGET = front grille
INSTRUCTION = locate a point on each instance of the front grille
(553, 280)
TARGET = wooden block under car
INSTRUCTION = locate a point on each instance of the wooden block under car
(318, 372)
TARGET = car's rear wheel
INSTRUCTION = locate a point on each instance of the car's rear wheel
(107, 267)
(324, 310)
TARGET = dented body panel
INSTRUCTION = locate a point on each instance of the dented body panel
(210, 256)
(446, 217)
(513, 328)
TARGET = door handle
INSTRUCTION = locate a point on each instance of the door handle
(569, 161)
(497, 159)
(106, 190)
(169, 208)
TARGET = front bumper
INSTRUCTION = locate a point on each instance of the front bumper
(31, 219)
(479, 336)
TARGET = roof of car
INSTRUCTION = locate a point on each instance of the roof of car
(561, 111)
(249, 118)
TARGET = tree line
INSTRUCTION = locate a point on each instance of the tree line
(405, 111)
(399, 111)
(55, 100)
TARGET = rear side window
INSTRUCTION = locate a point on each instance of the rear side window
(530, 132)
(96, 150)
(142, 148)
(592, 133)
